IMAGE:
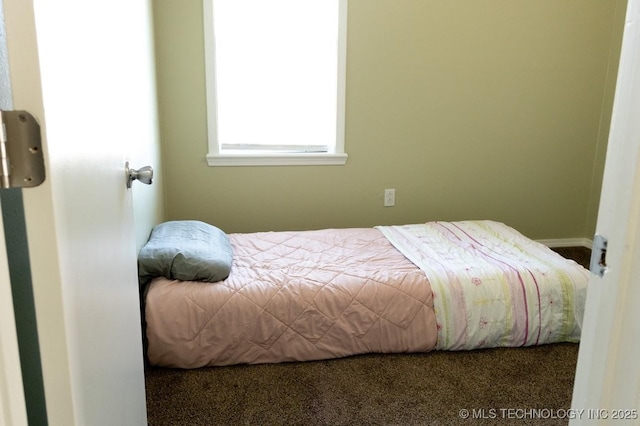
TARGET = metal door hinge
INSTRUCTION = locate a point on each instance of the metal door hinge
(21, 157)
(598, 264)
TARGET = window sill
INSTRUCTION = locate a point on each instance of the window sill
(301, 159)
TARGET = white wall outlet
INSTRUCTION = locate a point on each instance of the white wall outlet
(389, 197)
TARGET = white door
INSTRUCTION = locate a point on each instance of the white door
(12, 400)
(85, 70)
(608, 372)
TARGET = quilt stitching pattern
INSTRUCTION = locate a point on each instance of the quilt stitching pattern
(274, 266)
(275, 247)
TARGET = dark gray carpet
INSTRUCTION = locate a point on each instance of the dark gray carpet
(496, 386)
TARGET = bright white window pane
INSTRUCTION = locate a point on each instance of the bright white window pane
(276, 72)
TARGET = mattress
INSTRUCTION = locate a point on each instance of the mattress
(294, 296)
(310, 295)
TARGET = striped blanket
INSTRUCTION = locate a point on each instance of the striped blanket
(492, 286)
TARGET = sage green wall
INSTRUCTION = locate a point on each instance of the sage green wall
(484, 109)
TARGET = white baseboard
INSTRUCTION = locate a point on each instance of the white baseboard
(568, 242)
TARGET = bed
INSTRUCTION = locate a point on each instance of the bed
(311, 295)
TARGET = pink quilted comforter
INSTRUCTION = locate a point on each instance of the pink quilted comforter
(294, 296)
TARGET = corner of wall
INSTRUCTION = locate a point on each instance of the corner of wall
(617, 29)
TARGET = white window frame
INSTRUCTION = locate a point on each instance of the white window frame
(215, 157)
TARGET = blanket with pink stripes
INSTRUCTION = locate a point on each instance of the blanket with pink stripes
(492, 286)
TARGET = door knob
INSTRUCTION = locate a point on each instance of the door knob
(144, 175)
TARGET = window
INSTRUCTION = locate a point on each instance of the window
(275, 72)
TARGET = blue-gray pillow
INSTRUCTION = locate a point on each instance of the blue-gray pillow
(186, 250)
